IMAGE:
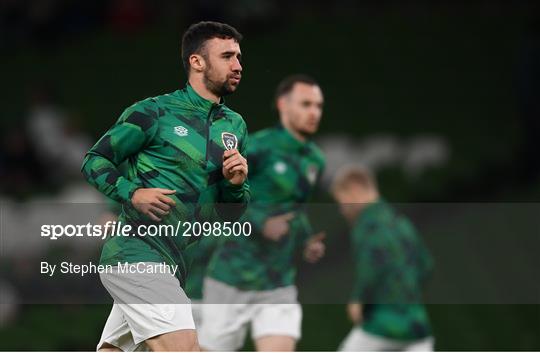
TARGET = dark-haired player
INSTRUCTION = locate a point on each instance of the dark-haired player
(256, 276)
(184, 154)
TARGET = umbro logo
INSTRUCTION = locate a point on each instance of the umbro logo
(180, 131)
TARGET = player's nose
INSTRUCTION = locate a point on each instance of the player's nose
(315, 113)
(236, 66)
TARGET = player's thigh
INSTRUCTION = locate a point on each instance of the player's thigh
(275, 344)
(176, 341)
(277, 324)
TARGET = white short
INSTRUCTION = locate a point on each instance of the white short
(224, 326)
(145, 305)
(196, 310)
(360, 340)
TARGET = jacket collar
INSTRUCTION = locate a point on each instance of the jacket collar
(376, 209)
(290, 140)
(196, 100)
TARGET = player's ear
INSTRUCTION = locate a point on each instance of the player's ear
(197, 62)
(280, 103)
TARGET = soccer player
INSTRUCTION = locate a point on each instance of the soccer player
(255, 276)
(391, 263)
(184, 153)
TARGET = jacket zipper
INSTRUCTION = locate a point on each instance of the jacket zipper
(208, 123)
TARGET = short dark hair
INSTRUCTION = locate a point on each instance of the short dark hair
(287, 84)
(198, 33)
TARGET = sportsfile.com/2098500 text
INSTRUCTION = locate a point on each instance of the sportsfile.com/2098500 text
(113, 228)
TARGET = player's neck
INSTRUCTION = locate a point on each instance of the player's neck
(297, 136)
(365, 202)
(372, 198)
(200, 88)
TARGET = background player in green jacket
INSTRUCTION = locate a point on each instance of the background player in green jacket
(184, 154)
(391, 264)
(257, 273)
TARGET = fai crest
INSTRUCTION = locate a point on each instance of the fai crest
(230, 142)
(311, 174)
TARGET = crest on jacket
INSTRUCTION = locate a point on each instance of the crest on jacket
(230, 142)
(311, 174)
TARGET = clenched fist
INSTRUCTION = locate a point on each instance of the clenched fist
(235, 168)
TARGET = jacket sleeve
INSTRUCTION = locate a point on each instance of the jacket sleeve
(134, 129)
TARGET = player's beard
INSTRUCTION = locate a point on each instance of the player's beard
(218, 87)
(306, 133)
(295, 122)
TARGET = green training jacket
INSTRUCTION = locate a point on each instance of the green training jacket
(283, 176)
(173, 141)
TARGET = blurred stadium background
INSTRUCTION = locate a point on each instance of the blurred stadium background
(440, 98)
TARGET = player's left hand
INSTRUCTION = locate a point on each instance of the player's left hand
(315, 248)
(235, 168)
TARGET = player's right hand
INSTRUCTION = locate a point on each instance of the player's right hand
(152, 202)
(315, 248)
(278, 226)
